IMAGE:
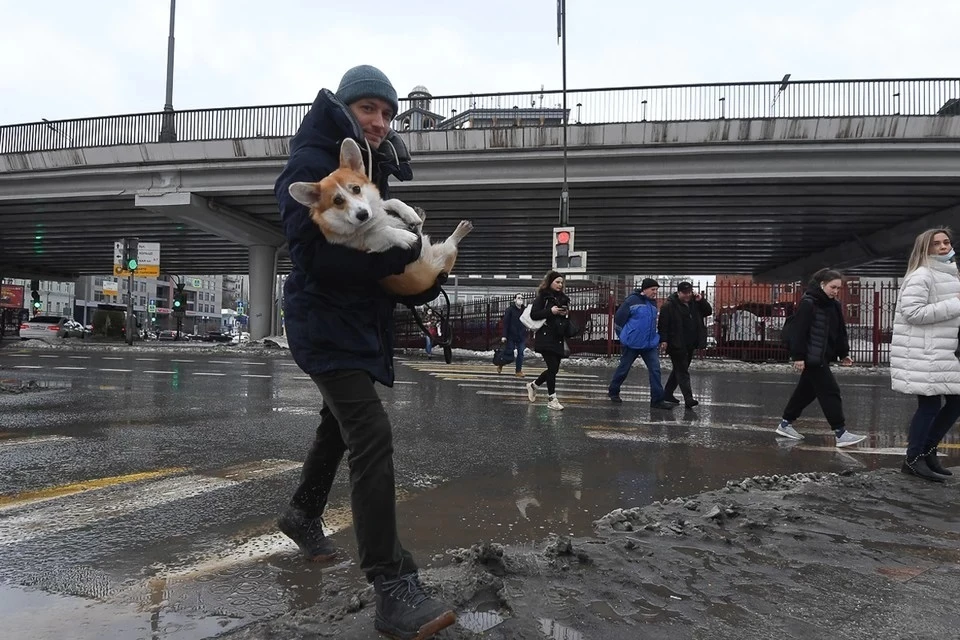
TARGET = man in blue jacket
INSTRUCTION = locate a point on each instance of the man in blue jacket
(339, 324)
(514, 333)
(636, 324)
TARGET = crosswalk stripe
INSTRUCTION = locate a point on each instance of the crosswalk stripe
(15, 440)
(40, 495)
(72, 512)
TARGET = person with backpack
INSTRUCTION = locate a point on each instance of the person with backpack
(923, 351)
(636, 324)
(552, 306)
(817, 336)
(682, 331)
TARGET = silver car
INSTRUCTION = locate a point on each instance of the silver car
(50, 328)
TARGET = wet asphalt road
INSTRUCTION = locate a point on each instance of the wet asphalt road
(138, 491)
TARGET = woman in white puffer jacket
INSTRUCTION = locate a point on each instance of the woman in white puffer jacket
(923, 353)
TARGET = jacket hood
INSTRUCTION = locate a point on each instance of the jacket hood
(329, 121)
(818, 296)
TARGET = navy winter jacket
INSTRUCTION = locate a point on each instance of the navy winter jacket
(336, 314)
(513, 329)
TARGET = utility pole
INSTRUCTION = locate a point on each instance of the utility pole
(168, 128)
(562, 34)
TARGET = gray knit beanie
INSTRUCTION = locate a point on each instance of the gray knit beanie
(367, 82)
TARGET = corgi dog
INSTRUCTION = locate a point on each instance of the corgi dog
(347, 207)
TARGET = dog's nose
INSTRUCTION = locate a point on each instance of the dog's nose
(362, 215)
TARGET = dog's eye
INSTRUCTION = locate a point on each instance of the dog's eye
(338, 200)
(356, 189)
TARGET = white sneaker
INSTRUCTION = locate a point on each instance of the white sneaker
(848, 439)
(532, 391)
(787, 431)
(554, 404)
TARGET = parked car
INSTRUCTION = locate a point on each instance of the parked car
(167, 334)
(51, 329)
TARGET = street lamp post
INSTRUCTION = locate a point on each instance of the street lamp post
(168, 128)
(562, 33)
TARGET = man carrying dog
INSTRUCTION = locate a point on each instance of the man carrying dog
(339, 324)
(682, 332)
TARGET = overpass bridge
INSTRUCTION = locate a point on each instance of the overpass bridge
(759, 178)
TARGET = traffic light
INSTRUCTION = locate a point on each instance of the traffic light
(565, 259)
(35, 295)
(179, 301)
(130, 257)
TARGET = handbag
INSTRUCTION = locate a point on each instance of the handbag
(528, 322)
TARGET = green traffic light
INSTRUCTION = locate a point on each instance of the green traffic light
(36, 305)
(176, 303)
(132, 265)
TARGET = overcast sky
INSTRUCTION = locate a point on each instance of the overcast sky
(65, 59)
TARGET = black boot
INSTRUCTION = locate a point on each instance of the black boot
(934, 464)
(404, 610)
(308, 534)
(918, 467)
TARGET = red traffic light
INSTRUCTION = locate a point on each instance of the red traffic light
(563, 237)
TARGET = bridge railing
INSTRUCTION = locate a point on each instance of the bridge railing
(665, 103)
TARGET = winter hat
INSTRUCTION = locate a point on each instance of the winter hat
(647, 283)
(685, 287)
(365, 81)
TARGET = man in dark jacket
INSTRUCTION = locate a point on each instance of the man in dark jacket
(514, 333)
(339, 324)
(682, 332)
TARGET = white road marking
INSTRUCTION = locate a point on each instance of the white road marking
(183, 361)
(219, 362)
(148, 359)
(256, 363)
(112, 358)
(117, 370)
(71, 368)
(152, 371)
(19, 355)
(206, 373)
(79, 357)
(25, 522)
(254, 375)
(49, 356)
(14, 442)
(27, 366)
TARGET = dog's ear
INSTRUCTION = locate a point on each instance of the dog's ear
(306, 193)
(350, 157)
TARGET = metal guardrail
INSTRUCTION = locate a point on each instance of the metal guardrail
(664, 103)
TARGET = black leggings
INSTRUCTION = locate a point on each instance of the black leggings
(550, 375)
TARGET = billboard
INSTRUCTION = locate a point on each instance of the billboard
(11, 296)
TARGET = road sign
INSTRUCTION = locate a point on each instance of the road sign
(152, 308)
(110, 288)
(197, 283)
(148, 257)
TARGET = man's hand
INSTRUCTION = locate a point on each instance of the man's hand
(846, 362)
(798, 365)
(663, 347)
(502, 340)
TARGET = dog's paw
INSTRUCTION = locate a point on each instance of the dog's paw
(406, 239)
(464, 228)
(403, 211)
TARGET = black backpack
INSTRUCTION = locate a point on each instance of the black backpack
(787, 330)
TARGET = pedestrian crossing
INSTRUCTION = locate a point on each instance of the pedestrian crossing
(86, 538)
(575, 389)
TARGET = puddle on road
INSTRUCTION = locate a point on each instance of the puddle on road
(37, 615)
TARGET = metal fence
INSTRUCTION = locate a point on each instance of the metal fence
(745, 325)
(662, 103)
